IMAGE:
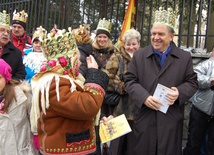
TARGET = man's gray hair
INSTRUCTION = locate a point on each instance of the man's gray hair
(171, 30)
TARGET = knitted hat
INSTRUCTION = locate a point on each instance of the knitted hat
(99, 31)
(20, 23)
(104, 27)
(20, 18)
(5, 70)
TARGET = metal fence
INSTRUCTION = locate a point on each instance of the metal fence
(195, 16)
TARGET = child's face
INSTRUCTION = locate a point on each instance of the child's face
(37, 46)
(2, 83)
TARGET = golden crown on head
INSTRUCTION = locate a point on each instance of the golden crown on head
(20, 16)
(104, 25)
(167, 17)
(39, 33)
(118, 46)
(59, 43)
(4, 18)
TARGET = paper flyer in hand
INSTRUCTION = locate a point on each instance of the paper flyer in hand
(160, 93)
(114, 128)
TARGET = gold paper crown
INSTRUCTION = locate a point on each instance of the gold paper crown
(118, 46)
(59, 43)
(20, 16)
(39, 33)
(104, 25)
(4, 19)
(167, 17)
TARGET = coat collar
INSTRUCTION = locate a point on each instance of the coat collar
(174, 52)
(8, 48)
(22, 38)
(20, 98)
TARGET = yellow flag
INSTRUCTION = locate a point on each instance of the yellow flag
(129, 20)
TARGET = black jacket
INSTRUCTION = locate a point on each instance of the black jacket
(13, 56)
(85, 51)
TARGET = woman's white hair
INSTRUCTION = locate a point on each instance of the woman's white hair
(131, 34)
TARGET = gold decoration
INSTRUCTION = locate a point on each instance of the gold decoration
(118, 46)
(58, 150)
(87, 27)
(79, 148)
(4, 19)
(82, 35)
(71, 149)
(167, 17)
(39, 33)
(59, 43)
(20, 16)
(66, 150)
(104, 25)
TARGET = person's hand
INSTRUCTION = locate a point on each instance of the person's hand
(91, 62)
(153, 103)
(172, 96)
(104, 120)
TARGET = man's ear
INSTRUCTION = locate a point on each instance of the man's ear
(172, 36)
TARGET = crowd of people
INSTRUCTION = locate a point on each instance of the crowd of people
(54, 88)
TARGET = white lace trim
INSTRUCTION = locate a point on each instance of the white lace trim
(34, 61)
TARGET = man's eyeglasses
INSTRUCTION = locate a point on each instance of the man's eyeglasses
(2, 30)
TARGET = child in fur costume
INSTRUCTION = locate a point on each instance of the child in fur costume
(15, 105)
(64, 102)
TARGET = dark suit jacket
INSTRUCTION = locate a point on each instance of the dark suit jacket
(13, 56)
